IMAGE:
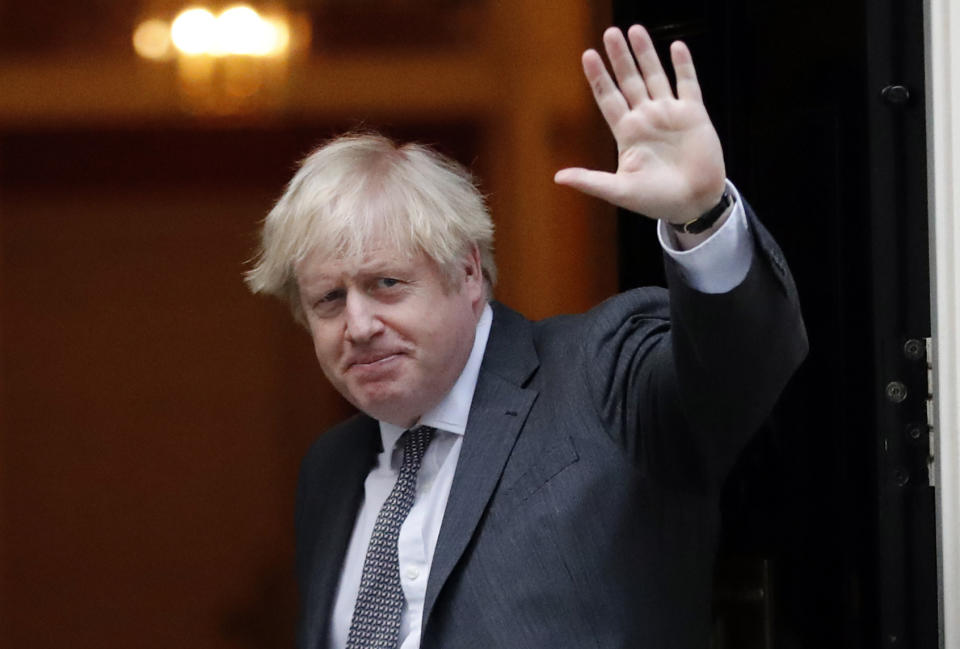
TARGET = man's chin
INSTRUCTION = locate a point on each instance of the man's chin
(392, 417)
(391, 409)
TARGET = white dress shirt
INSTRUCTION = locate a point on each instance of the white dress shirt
(717, 265)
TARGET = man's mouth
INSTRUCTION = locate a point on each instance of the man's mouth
(371, 360)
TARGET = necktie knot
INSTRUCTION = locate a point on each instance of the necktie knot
(414, 443)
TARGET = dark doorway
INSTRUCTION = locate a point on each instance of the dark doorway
(828, 534)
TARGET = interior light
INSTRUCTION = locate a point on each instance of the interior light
(151, 39)
(282, 31)
(238, 31)
(193, 31)
(241, 30)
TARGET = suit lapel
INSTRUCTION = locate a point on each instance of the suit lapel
(342, 499)
(497, 413)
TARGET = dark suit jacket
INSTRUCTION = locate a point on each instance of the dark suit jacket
(584, 508)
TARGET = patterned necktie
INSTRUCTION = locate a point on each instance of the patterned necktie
(376, 617)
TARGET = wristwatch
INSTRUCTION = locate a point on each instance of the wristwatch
(707, 219)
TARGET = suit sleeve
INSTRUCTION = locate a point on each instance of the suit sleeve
(682, 383)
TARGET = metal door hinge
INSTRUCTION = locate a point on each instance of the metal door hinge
(912, 459)
(931, 437)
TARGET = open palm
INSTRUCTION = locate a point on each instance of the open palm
(670, 162)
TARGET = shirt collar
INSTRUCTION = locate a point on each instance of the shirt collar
(452, 411)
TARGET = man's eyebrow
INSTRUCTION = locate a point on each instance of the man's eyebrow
(375, 267)
(317, 282)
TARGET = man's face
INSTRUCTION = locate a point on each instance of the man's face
(391, 333)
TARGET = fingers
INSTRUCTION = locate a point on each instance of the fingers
(609, 99)
(656, 80)
(599, 184)
(624, 69)
(687, 85)
(637, 81)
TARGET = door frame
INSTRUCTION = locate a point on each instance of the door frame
(942, 42)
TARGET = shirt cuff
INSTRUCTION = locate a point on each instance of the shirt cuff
(719, 263)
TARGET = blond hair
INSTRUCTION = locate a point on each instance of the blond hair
(362, 186)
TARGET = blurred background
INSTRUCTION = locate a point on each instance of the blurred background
(153, 413)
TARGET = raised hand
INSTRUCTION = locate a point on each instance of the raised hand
(670, 162)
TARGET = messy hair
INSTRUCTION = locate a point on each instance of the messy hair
(363, 186)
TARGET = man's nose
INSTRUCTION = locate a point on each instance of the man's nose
(362, 317)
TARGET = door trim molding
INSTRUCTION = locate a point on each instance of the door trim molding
(942, 36)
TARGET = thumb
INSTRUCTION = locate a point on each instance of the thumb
(600, 184)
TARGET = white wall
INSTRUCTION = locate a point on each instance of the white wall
(943, 133)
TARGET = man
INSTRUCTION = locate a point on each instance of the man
(517, 484)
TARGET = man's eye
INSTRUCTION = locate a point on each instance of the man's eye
(329, 297)
(387, 282)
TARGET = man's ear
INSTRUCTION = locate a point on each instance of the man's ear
(472, 263)
(473, 274)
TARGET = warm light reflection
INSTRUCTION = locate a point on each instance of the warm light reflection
(232, 61)
(241, 30)
(238, 30)
(193, 31)
(282, 30)
(151, 39)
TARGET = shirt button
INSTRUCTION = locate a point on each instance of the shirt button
(412, 573)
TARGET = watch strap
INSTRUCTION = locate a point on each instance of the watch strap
(708, 218)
